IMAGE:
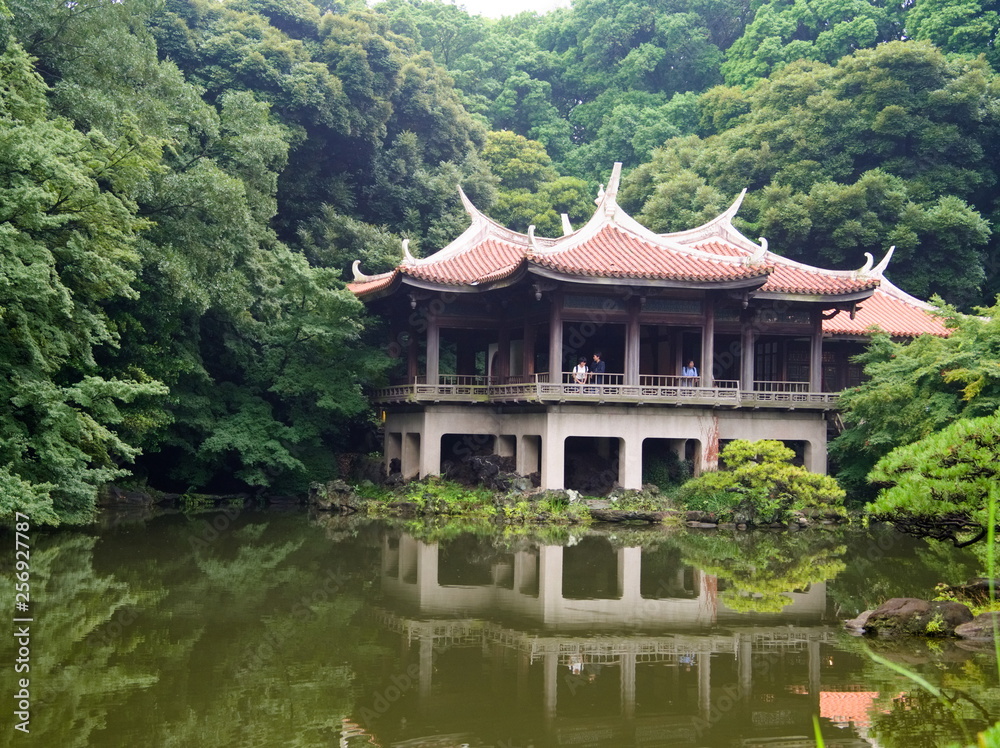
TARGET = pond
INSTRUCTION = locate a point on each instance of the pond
(239, 628)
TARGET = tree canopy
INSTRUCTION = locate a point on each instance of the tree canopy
(187, 182)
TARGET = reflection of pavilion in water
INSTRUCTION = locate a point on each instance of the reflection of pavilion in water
(518, 620)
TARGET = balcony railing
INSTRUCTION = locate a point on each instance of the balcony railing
(608, 388)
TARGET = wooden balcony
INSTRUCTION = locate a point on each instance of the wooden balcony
(608, 388)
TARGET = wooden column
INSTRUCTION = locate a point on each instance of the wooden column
(816, 353)
(746, 357)
(632, 344)
(555, 340)
(412, 350)
(708, 344)
(503, 353)
(528, 354)
(433, 350)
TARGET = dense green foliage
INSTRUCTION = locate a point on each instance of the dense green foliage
(187, 181)
(759, 485)
(916, 389)
(947, 476)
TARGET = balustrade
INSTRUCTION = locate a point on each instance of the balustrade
(651, 389)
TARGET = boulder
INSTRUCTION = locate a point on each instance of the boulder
(333, 496)
(910, 615)
(857, 625)
(980, 628)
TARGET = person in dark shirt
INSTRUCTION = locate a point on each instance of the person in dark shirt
(598, 368)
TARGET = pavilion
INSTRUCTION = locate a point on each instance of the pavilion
(488, 328)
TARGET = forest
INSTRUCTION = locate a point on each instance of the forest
(185, 184)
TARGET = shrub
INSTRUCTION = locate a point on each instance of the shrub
(760, 486)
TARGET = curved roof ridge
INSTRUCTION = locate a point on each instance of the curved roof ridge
(610, 214)
(721, 226)
(480, 229)
(891, 289)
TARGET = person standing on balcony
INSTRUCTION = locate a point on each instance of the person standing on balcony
(689, 375)
(598, 368)
(580, 371)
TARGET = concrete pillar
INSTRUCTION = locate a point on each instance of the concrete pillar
(550, 686)
(629, 573)
(528, 449)
(632, 345)
(816, 353)
(746, 666)
(410, 459)
(627, 662)
(556, 362)
(430, 453)
(814, 672)
(708, 344)
(426, 665)
(630, 463)
(747, 358)
(433, 350)
(704, 684)
(550, 572)
(427, 569)
(553, 459)
(815, 456)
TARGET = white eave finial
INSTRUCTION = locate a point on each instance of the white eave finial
(863, 271)
(758, 254)
(879, 270)
(611, 194)
(600, 194)
(567, 227)
(733, 209)
(358, 275)
(407, 257)
(531, 238)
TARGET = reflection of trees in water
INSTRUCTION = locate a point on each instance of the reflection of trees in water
(247, 640)
(907, 716)
(885, 563)
(758, 569)
(73, 661)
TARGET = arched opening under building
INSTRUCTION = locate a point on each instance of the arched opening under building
(664, 462)
(592, 464)
(590, 570)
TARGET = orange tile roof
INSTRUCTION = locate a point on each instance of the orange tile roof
(789, 276)
(613, 245)
(615, 253)
(890, 310)
(491, 258)
(372, 284)
(791, 279)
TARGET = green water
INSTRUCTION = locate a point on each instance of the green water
(281, 629)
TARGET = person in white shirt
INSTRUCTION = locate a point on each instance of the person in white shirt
(689, 375)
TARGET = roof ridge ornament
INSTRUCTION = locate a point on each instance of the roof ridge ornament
(869, 261)
(358, 275)
(600, 194)
(531, 238)
(567, 227)
(879, 270)
(730, 212)
(758, 254)
(407, 257)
